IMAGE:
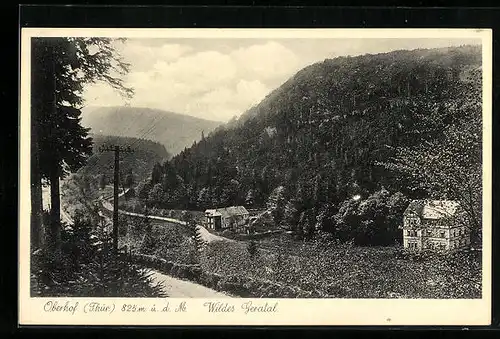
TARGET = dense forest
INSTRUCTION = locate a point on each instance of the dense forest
(342, 145)
(134, 166)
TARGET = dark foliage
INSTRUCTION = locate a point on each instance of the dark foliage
(86, 267)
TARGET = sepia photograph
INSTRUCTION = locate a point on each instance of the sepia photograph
(261, 167)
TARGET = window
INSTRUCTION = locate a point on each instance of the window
(412, 233)
(441, 234)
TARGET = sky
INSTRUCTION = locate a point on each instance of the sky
(218, 79)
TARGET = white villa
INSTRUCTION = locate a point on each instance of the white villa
(435, 225)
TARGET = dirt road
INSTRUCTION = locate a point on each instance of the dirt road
(176, 288)
(206, 235)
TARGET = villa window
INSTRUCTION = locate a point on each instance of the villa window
(441, 234)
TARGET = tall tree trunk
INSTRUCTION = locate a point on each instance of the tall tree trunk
(55, 211)
(37, 238)
(36, 192)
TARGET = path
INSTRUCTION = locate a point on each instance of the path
(205, 234)
(172, 287)
(177, 288)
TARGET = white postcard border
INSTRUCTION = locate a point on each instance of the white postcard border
(289, 311)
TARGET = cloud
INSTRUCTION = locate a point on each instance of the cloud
(265, 61)
(217, 78)
(205, 83)
(201, 71)
(143, 56)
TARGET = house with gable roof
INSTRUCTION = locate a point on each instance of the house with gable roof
(435, 225)
(232, 217)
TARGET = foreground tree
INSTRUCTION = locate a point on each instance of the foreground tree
(60, 69)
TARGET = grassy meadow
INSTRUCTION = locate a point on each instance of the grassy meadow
(324, 267)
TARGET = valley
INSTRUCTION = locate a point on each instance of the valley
(328, 164)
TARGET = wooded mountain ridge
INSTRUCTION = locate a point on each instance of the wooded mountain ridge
(175, 131)
(324, 135)
(139, 163)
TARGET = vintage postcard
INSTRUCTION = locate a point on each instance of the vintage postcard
(255, 177)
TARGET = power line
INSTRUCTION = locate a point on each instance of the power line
(139, 139)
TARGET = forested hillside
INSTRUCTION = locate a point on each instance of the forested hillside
(134, 166)
(380, 128)
(174, 131)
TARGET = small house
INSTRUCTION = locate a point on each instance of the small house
(434, 225)
(233, 217)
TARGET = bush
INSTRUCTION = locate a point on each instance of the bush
(210, 280)
(167, 267)
(194, 273)
(86, 267)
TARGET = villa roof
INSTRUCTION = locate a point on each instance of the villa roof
(432, 209)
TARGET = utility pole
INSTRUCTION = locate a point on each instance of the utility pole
(116, 149)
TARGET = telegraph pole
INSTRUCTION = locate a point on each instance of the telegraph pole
(116, 149)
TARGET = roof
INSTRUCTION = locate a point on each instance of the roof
(432, 209)
(232, 210)
(212, 212)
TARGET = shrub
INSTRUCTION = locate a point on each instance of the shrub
(194, 273)
(167, 267)
(175, 270)
(86, 267)
(210, 280)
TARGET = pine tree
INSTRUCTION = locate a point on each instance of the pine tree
(129, 180)
(60, 68)
(290, 217)
(156, 174)
(198, 239)
(252, 250)
(276, 204)
(102, 181)
(302, 224)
